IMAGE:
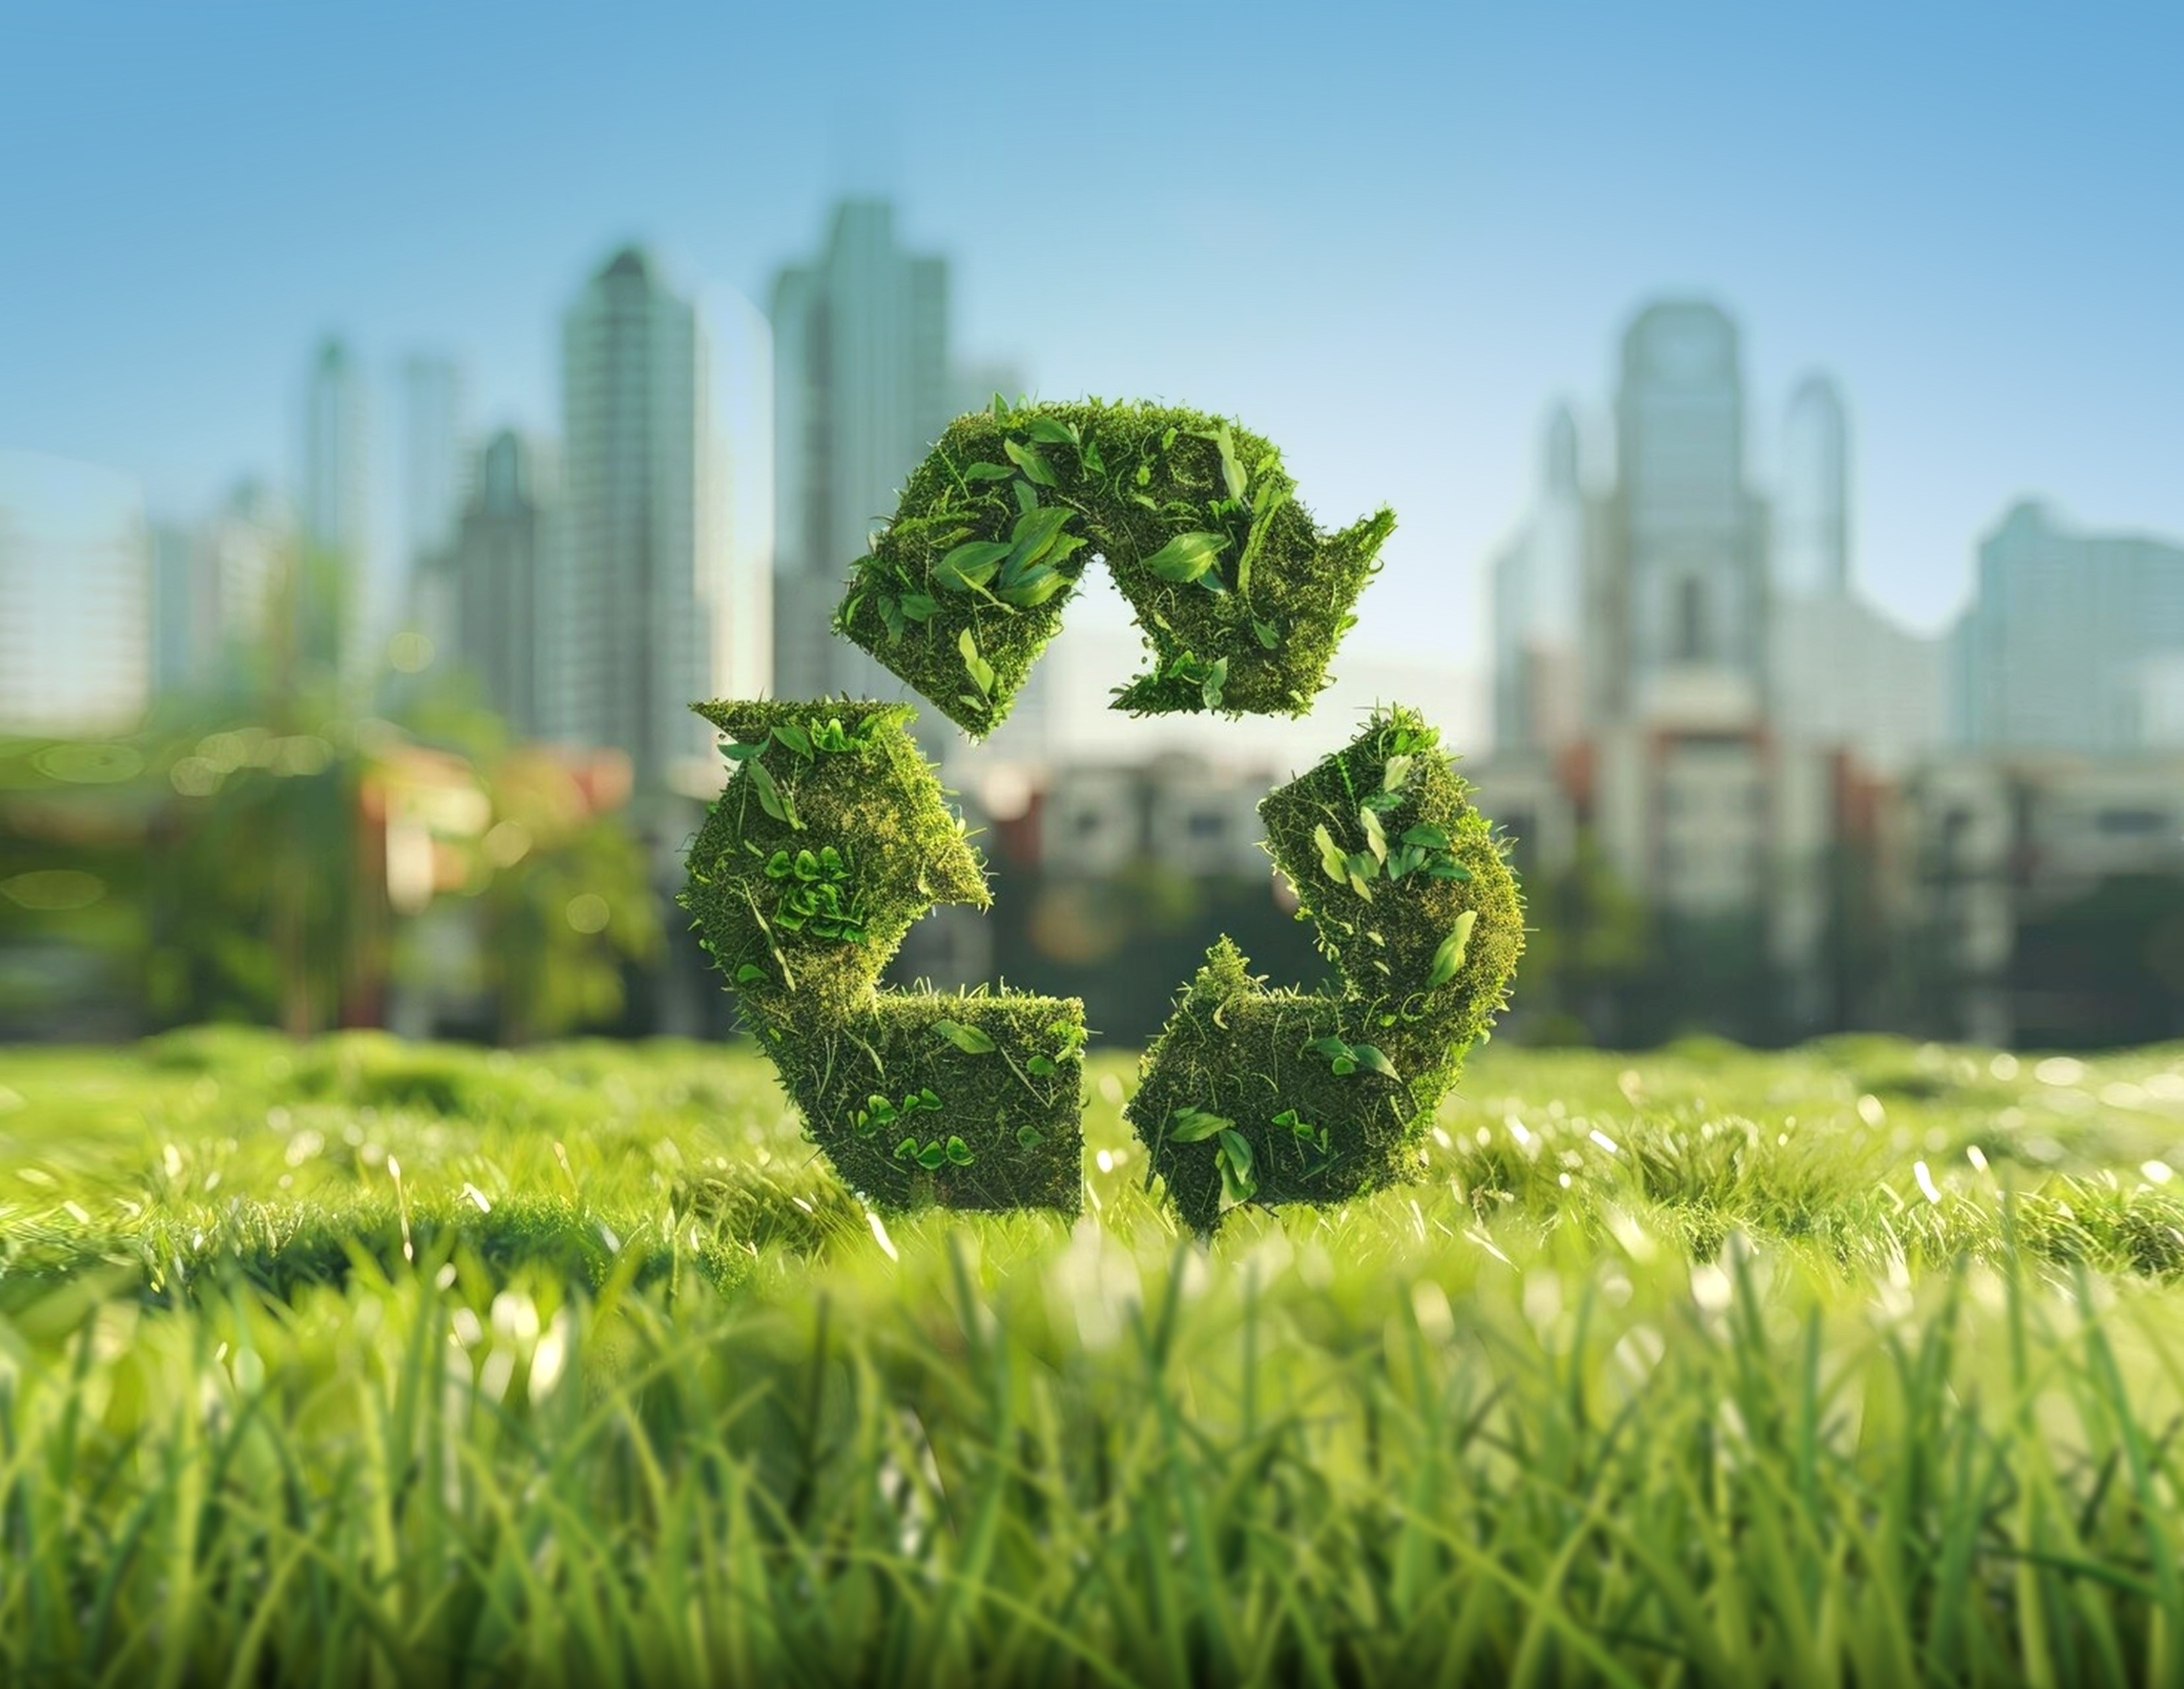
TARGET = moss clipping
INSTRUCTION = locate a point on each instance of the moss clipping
(1242, 597)
(1275, 1096)
(831, 838)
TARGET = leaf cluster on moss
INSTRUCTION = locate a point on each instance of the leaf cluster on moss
(830, 840)
(1288, 1096)
(1242, 597)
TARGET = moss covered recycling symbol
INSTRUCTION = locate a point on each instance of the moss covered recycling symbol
(832, 836)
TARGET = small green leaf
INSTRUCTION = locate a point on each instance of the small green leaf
(968, 1039)
(742, 753)
(959, 1151)
(1376, 836)
(1027, 496)
(906, 1150)
(919, 606)
(1426, 836)
(1189, 1125)
(1397, 771)
(751, 974)
(1042, 1066)
(1232, 470)
(971, 564)
(1050, 432)
(1449, 957)
(980, 670)
(1238, 1184)
(1330, 859)
(932, 1155)
(770, 798)
(793, 737)
(1029, 1136)
(1187, 557)
(1371, 1057)
(1037, 585)
(1268, 635)
(1031, 463)
(988, 472)
(1216, 678)
(1449, 869)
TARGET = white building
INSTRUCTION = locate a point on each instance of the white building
(334, 491)
(1539, 595)
(76, 589)
(645, 611)
(436, 457)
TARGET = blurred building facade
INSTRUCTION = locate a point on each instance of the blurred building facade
(862, 386)
(436, 457)
(641, 610)
(75, 596)
(485, 590)
(2070, 640)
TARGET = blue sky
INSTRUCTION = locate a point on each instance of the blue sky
(1388, 236)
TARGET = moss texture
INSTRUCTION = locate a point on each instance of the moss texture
(1278, 1096)
(832, 837)
(1241, 596)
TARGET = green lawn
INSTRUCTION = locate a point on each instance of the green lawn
(363, 1363)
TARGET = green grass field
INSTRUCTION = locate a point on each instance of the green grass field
(359, 1363)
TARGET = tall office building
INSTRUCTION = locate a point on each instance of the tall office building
(643, 615)
(435, 457)
(1812, 511)
(76, 586)
(354, 604)
(2069, 640)
(483, 592)
(1537, 587)
(1678, 610)
(861, 389)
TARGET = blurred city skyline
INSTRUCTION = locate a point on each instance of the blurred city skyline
(1956, 215)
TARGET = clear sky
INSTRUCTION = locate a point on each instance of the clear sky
(1387, 237)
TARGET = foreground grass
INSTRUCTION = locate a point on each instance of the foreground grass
(361, 1363)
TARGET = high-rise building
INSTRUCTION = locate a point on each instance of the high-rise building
(643, 613)
(435, 456)
(1811, 507)
(1538, 593)
(75, 583)
(354, 603)
(861, 389)
(483, 592)
(2067, 639)
(1679, 603)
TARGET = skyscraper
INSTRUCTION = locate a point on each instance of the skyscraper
(1681, 601)
(861, 389)
(1538, 587)
(1812, 531)
(435, 457)
(487, 587)
(2069, 638)
(642, 610)
(353, 604)
(75, 579)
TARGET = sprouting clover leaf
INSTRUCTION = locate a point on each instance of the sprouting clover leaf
(1449, 957)
(970, 1039)
(1189, 1125)
(1029, 1136)
(1340, 1058)
(959, 1152)
(750, 974)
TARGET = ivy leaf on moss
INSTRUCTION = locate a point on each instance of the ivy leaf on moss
(1032, 462)
(1029, 1136)
(750, 974)
(1186, 558)
(1376, 835)
(918, 606)
(1267, 634)
(1449, 957)
(1232, 467)
(770, 798)
(932, 1155)
(1189, 1125)
(970, 1039)
(1034, 535)
(1036, 586)
(1027, 496)
(1053, 433)
(1426, 836)
(794, 738)
(959, 1152)
(988, 472)
(1449, 868)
